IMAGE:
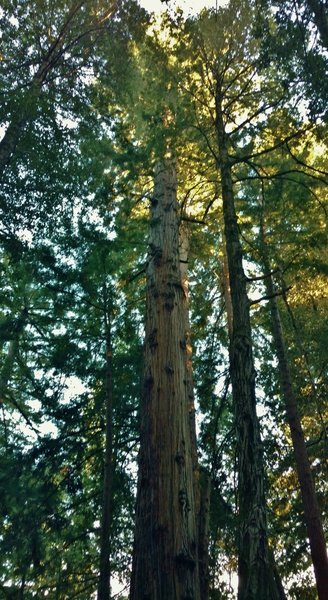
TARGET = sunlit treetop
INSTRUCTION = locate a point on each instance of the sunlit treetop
(188, 7)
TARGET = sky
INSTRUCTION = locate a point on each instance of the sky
(188, 6)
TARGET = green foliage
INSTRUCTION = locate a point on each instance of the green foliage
(292, 39)
(73, 236)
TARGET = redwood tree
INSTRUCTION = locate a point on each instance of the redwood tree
(165, 554)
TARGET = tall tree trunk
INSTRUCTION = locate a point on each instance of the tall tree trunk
(201, 480)
(183, 258)
(309, 499)
(165, 552)
(203, 534)
(106, 518)
(226, 288)
(303, 353)
(256, 577)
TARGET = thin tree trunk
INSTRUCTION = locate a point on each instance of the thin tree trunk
(201, 480)
(277, 576)
(165, 565)
(183, 257)
(309, 499)
(302, 350)
(226, 288)
(256, 577)
(106, 518)
(204, 528)
(22, 587)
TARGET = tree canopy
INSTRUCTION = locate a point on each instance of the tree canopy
(163, 314)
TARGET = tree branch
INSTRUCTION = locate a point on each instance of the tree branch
(269, 296)
(279, 144)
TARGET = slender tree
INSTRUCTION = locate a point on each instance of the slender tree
(309, 499)
(202, 480)
(106, 514)
(256, 578)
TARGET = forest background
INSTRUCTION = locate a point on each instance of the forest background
(93, 95)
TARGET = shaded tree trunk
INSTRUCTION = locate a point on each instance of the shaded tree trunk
(165, 565)
(204, 530)
(183, 258)
(201, 480)
(256, 577)
(226, 288)
(303, 353)
(106, 518)
(309, 499)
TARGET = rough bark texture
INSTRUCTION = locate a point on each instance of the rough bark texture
(226, 289)
(201, 480)
(105, 526)
(309, 499)
(203, 539)
(183, 257)
(165, 565)
(256, 577)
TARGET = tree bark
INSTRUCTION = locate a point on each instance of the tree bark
(183, 258)
(165, 565)
(203, 535)
(106, 518)
(201, 480)
(303, 467)
(256, 577)
(226, 289)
